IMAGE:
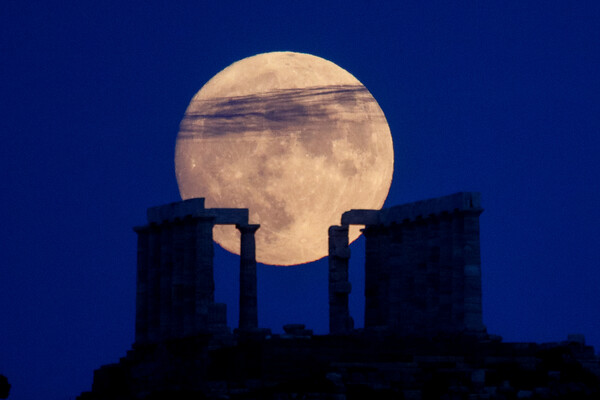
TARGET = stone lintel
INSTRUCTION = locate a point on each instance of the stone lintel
(195, 208)
(230, 216)
(361, 217)
(462, 202)
(180, 209)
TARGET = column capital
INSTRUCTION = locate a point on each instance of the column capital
(249, 228)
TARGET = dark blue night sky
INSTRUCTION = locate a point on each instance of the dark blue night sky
(497, 97)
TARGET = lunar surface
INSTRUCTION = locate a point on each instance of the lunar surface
(295, 139)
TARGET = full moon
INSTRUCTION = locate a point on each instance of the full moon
(295, 139)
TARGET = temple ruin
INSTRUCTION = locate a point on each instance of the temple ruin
(422, 268)
(175, 272)
(423, 335)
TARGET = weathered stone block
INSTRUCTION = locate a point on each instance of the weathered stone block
(181, 209)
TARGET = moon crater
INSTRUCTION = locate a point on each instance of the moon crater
(295, 139)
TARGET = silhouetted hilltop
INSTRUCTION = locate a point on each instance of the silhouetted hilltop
(4, 387)
(423, 336)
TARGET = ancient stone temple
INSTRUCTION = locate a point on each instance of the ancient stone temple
(422, 268)
(423, 336)
(175, 284)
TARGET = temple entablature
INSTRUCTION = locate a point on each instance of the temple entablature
(458, 202)
(194, 208)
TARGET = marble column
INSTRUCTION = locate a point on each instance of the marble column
(419, 302)
(445, 271)
(166, 270)
(153, 292)
(205, 282)
(141, 306)
(472, 272)
(340, 320)
(377, 277)
(432, 299)
(189, 276)
(177, 280)
(458, 271)
(248, 288)
(404, 299)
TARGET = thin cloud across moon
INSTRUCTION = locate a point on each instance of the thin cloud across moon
(295, 139)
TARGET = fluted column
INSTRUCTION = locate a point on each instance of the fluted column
(458, 271)
(248, 287)
(177, 280)
(406, 319)
(445, 265)
(189, 276)
(166, 271)
(377, 276)
(205, 282)
(472, 272)
(153, 292)
(141, 306)
(340, 320)
(419, 302)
